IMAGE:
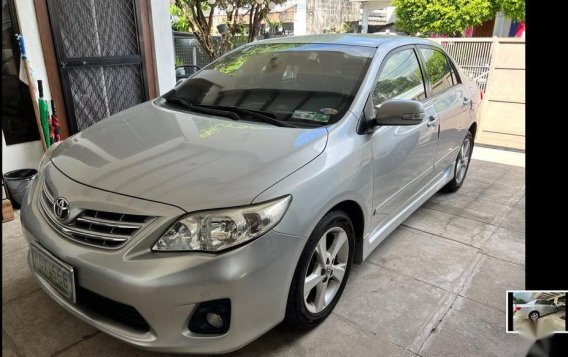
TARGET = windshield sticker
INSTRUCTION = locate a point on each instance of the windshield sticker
(329, 111)
(315, 116)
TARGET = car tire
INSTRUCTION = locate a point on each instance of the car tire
(460, 171)
(555, 309)
(304, 311)
(534, 315)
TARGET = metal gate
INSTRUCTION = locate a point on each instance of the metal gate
(473, 55)
(99, 52)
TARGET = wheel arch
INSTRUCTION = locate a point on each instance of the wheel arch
(530, 313)
(355, 213)
(473, 130)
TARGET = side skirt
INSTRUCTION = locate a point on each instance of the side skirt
(372, 240)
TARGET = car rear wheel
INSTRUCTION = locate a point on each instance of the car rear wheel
(534, 315)
(322, 271)
(461, 165)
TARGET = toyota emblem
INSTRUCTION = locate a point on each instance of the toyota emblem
(61, 208)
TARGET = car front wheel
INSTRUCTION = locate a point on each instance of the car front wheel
(322, 271)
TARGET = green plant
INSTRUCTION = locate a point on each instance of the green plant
(179, 22)
(515, 9)
(449, 17)
(452, 17)
(179, 61)
(199, 16)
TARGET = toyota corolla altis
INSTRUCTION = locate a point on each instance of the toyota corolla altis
(241, 198)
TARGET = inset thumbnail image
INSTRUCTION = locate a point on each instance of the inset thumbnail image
(537, 314)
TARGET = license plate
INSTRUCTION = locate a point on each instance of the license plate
(58, 274)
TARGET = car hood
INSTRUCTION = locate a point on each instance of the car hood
(189, 160)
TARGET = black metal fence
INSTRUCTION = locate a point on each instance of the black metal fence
(188, 51)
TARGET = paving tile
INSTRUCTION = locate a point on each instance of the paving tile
(522, 200)
(389, 304)
(490, 281)
(446, 225)
(7, 350)
(334, 337)
(40, 327)
(471, 329)
(474, 208)
(432, 259)
(507, 194)
(485, 171)
(17, 280)
(12, 239)
(515, 219)
(102, 344)
(506, 244)
(492, 172)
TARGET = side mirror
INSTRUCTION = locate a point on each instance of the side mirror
(400, 112)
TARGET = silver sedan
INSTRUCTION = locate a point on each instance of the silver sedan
(241, 198)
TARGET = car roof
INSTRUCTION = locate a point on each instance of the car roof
(351, 39)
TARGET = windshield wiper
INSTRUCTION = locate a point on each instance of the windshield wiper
(202, 109)
(266, 117)
(231, 112)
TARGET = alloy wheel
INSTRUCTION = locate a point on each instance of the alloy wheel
(326, 269)
(463, 160)
(534, 316)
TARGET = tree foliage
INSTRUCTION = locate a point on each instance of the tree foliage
(452, 17)
(515, 9)
(179, 22)
(198, 14)
(449, 17)
(517, 300)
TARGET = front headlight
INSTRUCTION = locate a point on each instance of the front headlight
(214, 231)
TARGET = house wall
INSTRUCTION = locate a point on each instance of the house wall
(498, 66)
(368, 7)
(503, 114)
(163, 45)
(27, 155)
(323, 15)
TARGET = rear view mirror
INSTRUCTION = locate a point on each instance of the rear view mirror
(399, 112)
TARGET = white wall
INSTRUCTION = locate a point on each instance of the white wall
(502, 25)
(372, 5)
(27, 155)
(163, 45)
(300, 19)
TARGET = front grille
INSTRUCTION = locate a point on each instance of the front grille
(102, 229)
(116, 311)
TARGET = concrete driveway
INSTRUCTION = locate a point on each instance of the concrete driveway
(545, 325)
(435, 287)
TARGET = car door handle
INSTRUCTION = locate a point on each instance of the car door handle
(432, 119)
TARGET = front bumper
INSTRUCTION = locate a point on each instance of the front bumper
(165, 288)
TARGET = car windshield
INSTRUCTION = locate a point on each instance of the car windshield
(299, 84)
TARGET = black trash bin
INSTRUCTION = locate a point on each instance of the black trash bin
(17, 183)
